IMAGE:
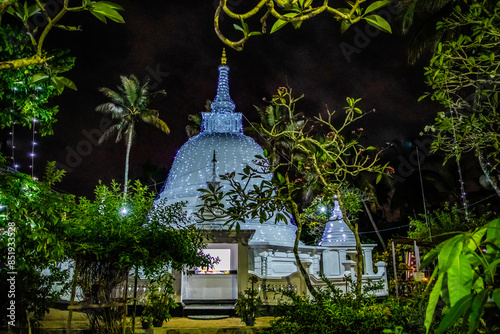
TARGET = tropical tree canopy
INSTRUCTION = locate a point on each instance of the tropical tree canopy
(129, 105)
(30, 74)
(464, 78)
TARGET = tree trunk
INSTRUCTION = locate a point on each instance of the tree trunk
(303, 272)
(374, 226)
(72, 299)
(125, 306)
(135, 298)
(127, 158)
(359, 253)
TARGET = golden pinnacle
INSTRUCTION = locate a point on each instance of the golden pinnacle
(223, 60)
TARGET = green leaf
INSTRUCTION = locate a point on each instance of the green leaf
(281, 179)
(108, 10)
(455, 313)
(433, 299)
(459, 281)
(493, 231)
(496, 297)
(297, 24)
(67, 82)
(32, 10)
(450, 252)
(39, 77)
(281, 23)
(378, 22)
(58, 85)
(344, 26)
(376, 5)
(237, 27)
(99, 16)
(112, 5)
(477, 310)
(475, 240)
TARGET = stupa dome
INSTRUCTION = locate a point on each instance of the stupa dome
(220, 148)
(194, 163)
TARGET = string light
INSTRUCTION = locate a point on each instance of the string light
(12, 133)
(33, 143)
(13, 146)
(463, 194)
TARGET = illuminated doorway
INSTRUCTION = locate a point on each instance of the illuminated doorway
(217, 283)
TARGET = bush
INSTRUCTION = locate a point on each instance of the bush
(341, 313)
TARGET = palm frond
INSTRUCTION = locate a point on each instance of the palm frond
(426, 39)
(108, 133)
(116, 111)
(119, 136)
(151, 117)
(114, 96)
(157, 93)
(131, 88)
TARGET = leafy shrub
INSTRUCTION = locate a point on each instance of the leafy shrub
(159, 300)
(341, 313)
(467, 281)
(249, 305)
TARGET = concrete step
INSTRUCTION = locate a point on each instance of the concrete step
(209, 309)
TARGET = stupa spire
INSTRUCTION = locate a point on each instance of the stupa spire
(222, 119)
(223, 102)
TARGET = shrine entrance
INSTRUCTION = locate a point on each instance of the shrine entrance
(219, 283)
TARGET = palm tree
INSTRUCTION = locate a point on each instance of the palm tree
(128, 106)
(428, 13)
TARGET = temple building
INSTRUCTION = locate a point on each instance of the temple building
(263, 250)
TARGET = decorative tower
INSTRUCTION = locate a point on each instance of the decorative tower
(336, 232)
(222, 119)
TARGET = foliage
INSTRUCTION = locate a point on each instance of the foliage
(30, 74)
(467, 280)
(127, 107)
(116, 231)
(125, 231)
(37, 19)
(296, 12)
(306, 158)
(249, 304)
(444, 221)
(423, 15)
(33, 237)
(343, 313)
(315, 217)
(159, 300)
(463, 74)
(26, 91)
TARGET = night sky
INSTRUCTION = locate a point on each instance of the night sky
(174, 43)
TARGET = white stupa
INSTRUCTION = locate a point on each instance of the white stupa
(264, 250)
(220, 148)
